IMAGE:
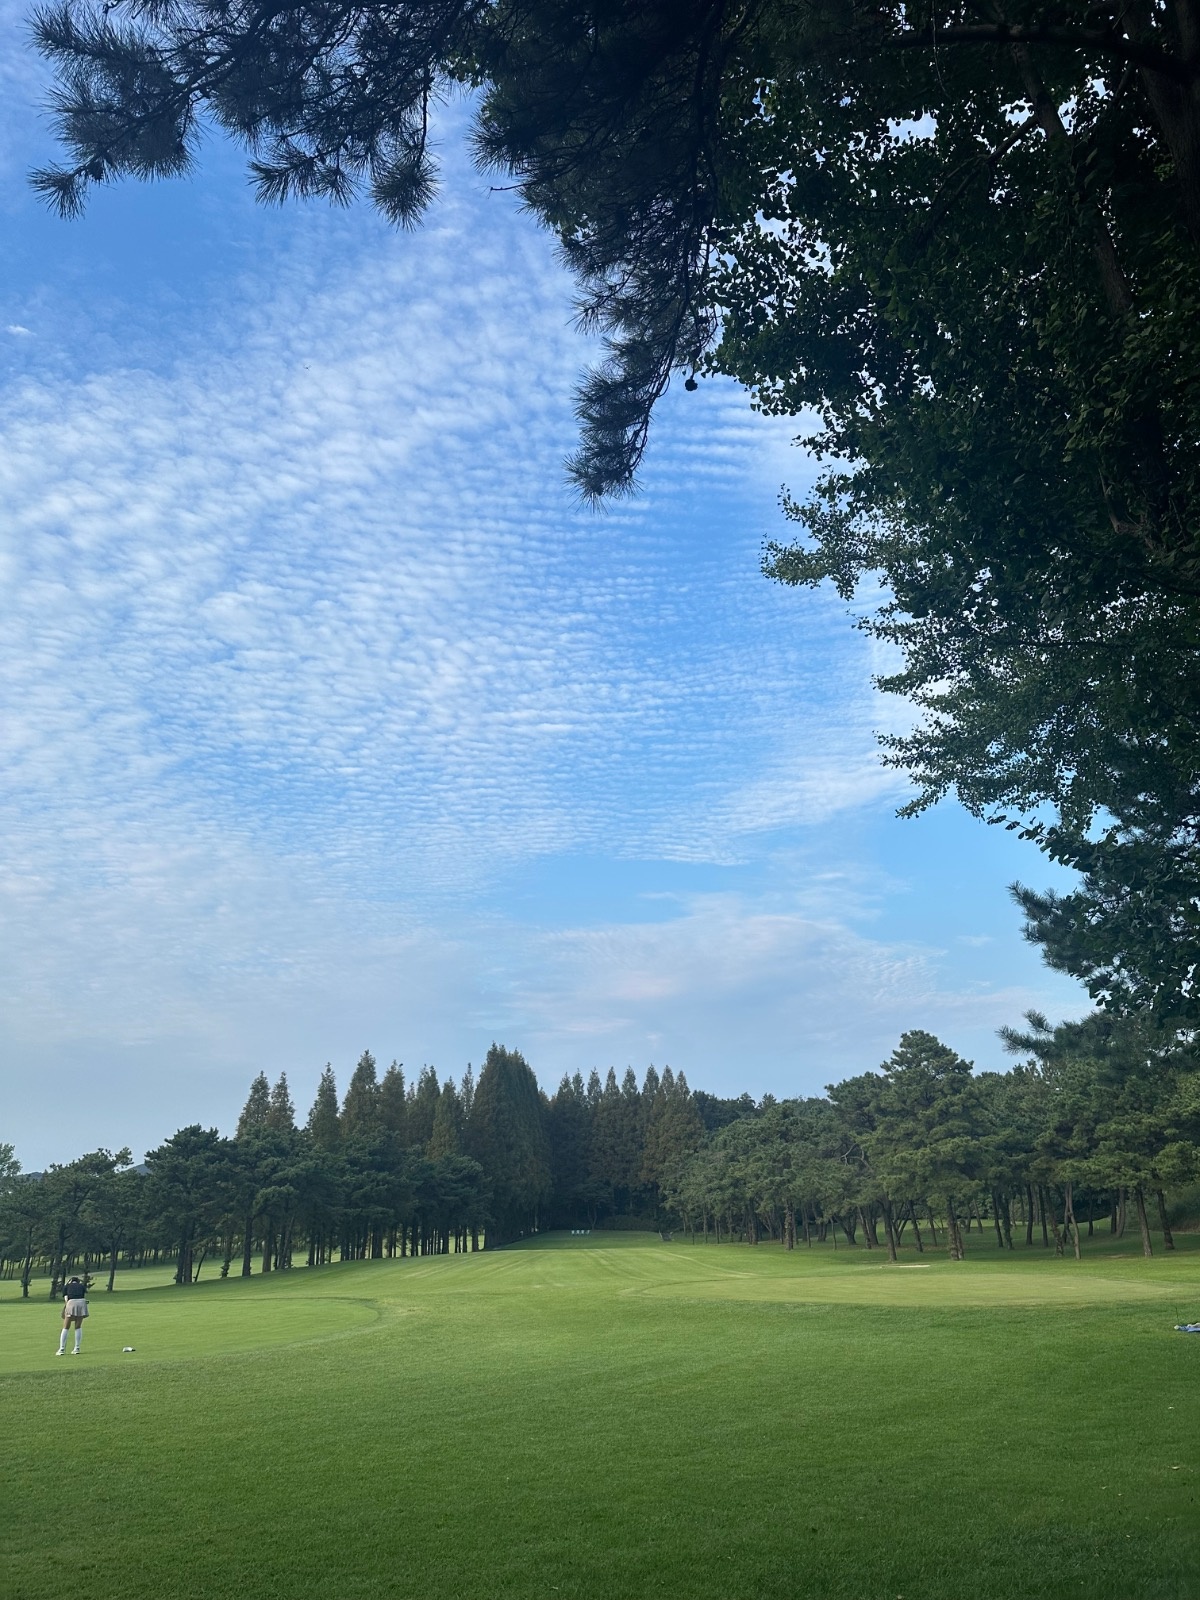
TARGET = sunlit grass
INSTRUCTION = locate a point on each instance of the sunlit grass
(615, 1417)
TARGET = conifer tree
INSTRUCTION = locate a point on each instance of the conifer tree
(445, 1138)
(673, 1132)
(422, 1108)
(509, 1142)
(257, 1110)
(393, 1109)
(568, 1129)
(604, 1155)
(281, 1113)
(324, 1123)
(360, 1109)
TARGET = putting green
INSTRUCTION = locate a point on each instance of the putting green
(939, 1284)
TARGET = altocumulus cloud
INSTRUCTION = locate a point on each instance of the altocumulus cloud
(306, 643)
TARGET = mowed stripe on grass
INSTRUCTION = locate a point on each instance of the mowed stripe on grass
(613, 1418)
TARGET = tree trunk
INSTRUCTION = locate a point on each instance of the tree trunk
(1168, 1238)
(954, 1233)
(112, 1266)
(912, 1211)
(889, 1225)
(247, 1245)
(1069, 1215)
(996, 1220)
(1143, 1221)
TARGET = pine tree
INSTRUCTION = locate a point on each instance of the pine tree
(604, 1155)
(673, 1132)
(422, 1108)
(568, 1129)
(508, 1140)
(323, 1122)
(282, 1113)
(360, 1109)
(256, 1113)
(629, 1149)
(446, 1137)
(393, 1107)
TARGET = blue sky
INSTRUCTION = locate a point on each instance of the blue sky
(331, 721)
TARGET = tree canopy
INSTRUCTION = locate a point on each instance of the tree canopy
(1100, 1118)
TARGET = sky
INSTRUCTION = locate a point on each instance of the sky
(330, 720)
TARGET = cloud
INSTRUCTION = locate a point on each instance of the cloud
(322, 581)
(307, 645)
(746, 992)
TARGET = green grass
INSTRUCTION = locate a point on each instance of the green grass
(614, 1417)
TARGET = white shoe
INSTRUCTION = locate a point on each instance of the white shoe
(60, 1351)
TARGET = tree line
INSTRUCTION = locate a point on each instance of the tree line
(1099, 1120)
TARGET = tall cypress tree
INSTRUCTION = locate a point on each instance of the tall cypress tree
(568, 1129)
(393, 1108)
(281, 1113)
(604, 1156)
(360, 1109)
(673, 1132)
(509, 1142)
(256, 1112)
(323, 1121)
(422, 1108)
(446, 1138)
(629, 1147)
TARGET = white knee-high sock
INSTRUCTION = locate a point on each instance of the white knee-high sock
(78, 1338)
(62, 1343)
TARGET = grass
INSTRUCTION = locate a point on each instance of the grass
(615, 1417)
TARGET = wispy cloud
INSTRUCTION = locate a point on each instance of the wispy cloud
(785, 997)
(306, 643)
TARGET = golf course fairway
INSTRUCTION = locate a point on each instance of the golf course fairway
(613, 1416)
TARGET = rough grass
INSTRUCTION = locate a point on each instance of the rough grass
(614, 1417)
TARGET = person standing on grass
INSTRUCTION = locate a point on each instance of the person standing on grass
(75, 1308)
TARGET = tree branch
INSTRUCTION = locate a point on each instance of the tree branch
(1106, 41)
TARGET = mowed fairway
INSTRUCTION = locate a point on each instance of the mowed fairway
(611, 1417)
